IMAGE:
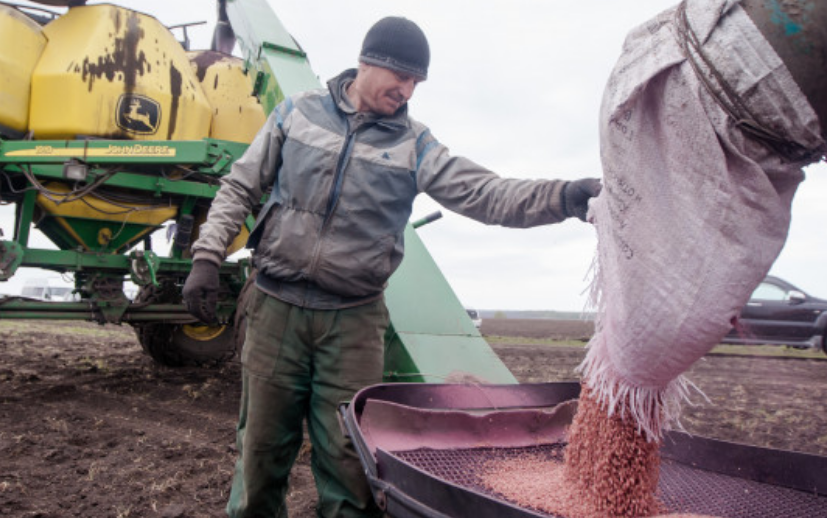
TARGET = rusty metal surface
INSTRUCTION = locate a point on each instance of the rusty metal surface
(682, 489)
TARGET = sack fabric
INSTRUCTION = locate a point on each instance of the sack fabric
(692, 213)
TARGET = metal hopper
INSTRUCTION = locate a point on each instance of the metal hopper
(422, 447)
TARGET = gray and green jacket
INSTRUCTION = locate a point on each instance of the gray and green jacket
(343, 185)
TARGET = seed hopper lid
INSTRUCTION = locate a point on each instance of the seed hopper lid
(424, 446)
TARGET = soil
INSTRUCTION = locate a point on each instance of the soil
(89, 426)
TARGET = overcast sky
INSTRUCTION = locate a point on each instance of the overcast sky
(515, 85)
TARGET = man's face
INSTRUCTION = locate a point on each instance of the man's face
(381, 90)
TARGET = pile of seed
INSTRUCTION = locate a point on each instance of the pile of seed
(533, 482)
(609, 471)
(610, 465)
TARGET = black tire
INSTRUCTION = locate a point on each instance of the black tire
(179, 345)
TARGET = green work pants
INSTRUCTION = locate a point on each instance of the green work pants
(301, 364)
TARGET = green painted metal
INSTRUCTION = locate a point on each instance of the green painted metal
(430, 339)
(207, 152)
(35, 310)
(420, 357)
(430, 218)
(88, 266)
(115, 164)
(11, 257)
(72, 260)
(269, 50)
(144, 267)
(25, 214)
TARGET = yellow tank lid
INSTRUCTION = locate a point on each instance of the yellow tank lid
(237, 115)
(112, 72)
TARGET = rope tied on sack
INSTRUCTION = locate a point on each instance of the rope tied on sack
(731, 102)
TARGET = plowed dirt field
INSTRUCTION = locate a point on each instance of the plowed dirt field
(90, 427)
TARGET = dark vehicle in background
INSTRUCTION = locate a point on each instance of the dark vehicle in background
(475, 317)
(779, 313)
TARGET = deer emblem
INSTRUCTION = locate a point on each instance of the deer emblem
(134, 115)
(138, 114)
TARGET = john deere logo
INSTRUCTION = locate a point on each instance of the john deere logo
(138, 114)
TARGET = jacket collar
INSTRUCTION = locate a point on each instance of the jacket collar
(337, 86)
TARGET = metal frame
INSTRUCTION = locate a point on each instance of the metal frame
(141, 167)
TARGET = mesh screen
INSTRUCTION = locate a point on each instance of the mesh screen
(682, 489)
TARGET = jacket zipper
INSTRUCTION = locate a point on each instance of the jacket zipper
(335, 192)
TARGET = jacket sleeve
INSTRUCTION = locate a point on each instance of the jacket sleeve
(467, 188)
(249, 178)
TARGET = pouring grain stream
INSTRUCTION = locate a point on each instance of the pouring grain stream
(610, 470)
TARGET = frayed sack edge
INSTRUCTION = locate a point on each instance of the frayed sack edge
(655, 410)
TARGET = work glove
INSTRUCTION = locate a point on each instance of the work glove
(576, 196)
(201, 291)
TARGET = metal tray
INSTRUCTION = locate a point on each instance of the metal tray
(421, 445)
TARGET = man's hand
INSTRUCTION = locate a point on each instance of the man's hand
(201, 291)
(576, 196)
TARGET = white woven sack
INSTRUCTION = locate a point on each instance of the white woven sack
(692, 213)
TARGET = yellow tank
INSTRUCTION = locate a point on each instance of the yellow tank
(115, 73)
(236, 113)
(21, 43)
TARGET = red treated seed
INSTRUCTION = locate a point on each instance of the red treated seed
(609, 471)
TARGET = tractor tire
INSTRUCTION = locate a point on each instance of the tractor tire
(180, 345)
(177, 345)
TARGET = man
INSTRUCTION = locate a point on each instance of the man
(345, 165)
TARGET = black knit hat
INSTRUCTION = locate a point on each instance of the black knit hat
(398, 44)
